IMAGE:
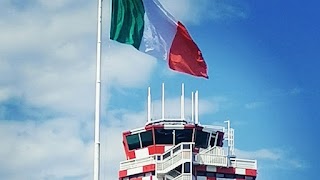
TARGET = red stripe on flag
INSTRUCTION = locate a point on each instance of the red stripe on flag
(185, 56)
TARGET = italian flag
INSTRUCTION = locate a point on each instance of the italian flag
(147, 26)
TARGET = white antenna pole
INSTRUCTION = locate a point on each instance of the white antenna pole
(96, 164)
(228, 136)
(182, 101)
(196, 108)
(162, 101)
(149, 105)
(192, 107)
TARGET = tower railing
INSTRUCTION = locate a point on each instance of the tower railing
(214, 156)
(243, 163)
(174, 157)
(133, 163)
(216, 150)
(183, 177)
(213, 160)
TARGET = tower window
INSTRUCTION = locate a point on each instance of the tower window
(163, 136)
(213, 140)
(133, 141)
(146, 138)
(186, 167)
(202, 139)
(184, 135)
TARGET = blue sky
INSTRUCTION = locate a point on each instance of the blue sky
(263, 65)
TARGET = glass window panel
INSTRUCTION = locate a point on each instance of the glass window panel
(186, 146)
(219, 175)
(211, 174)
(186, 167)
(163, 136)
(133, 141)
(212, 140)
(220, 139)
(250, 178)
(184, 135)
(146, 138)
(201, 173)
(202, 139)
(238, 176)
(231, 176)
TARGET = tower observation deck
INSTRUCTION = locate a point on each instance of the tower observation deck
(182, 149)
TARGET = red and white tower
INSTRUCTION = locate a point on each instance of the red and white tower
(182, 149)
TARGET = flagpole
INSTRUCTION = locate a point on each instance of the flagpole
(96, 164)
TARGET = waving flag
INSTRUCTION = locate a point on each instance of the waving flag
(147, 26)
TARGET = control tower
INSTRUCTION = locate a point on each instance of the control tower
(182, 149)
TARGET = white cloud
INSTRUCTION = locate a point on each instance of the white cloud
(274, 158)
(206, 9)
(50, 148)
(4, 93)
(126, 66)
(57, 148)
(55, 4)
(48, 60)
(260, 154)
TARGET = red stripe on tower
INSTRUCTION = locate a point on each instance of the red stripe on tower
(226, 170)
(122, 173)
(156, 149)
(189, 126)
(138, 178)
(251, 172)
(211, 178)
(131, 154)
(201, 168)
(149, 168)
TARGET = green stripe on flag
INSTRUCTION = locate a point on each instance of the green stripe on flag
(127, 21)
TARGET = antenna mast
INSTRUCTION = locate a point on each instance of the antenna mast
(192, 107)
(182, 102)
(162, 116)
(196, 108)
(149, 106)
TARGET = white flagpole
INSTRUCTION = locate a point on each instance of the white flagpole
(96, 164)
